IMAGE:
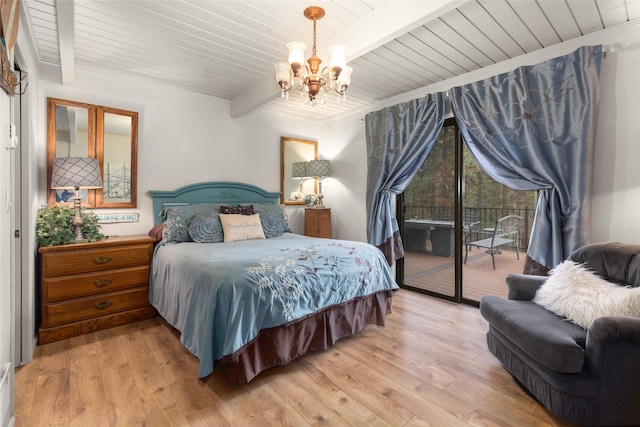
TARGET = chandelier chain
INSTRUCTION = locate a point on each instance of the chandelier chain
(314, 36)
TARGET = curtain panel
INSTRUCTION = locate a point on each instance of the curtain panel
(399, 139)
(534, 128)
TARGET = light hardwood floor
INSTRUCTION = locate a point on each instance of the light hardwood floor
(428, 367)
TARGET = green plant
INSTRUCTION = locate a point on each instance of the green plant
(53, 226)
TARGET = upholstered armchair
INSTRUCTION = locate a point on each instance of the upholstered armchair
(584, 376)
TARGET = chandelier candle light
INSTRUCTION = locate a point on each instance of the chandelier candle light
(309, 80)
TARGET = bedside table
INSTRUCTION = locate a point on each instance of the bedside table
(91, 286)
(317, 222)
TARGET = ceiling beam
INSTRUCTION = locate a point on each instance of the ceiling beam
(382, 25)
(66, 43)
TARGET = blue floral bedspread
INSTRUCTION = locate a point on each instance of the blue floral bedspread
(219, 295)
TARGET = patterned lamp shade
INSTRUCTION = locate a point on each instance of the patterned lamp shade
(299, 170)
(319, 168)
(69, 172)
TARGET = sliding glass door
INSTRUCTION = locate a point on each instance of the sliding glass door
(448, 217)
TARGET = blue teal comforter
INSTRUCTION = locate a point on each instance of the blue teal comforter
(219, 295)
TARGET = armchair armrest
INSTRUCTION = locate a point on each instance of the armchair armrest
(612, 352)
(605, 330)
(523, 287)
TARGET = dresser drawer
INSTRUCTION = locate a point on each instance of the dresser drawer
(89, 260)
(54, 314)
(80, 285)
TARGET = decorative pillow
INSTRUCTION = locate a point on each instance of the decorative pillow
(273, 218)
(241, 227)
(177, 220)
(175, 231)
(580, 295)
(240, 209)
(186, 211)
(206, 228)
(156, 232)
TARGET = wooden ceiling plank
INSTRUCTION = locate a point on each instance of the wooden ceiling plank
(511, 22)
(531, 15)
(480, 18)
(465, 29)
(417, 61)
(437, 49)
(633, 9)
(587, 15)
(458, 43)
(561, 19)
(613, 12)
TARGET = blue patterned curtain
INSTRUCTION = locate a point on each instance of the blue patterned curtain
(399, 139)
(534, 129)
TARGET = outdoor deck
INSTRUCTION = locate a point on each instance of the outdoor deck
(436, 273)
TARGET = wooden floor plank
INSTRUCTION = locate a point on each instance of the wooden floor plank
(429, 366)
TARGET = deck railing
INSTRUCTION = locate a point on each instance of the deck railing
(486, 216)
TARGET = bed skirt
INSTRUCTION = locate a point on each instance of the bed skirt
(315, 332)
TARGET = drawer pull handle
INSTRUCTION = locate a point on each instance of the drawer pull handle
(101, 283)
(102, 259)
(103, 305)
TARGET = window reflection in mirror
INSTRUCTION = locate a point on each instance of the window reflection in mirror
(76, 129)
(70, 133)
(295, 150)
(117, 131)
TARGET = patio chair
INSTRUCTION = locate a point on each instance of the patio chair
(507, 230)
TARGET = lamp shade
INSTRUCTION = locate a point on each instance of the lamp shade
(296, 52)
(299, 170)
(282, 72)
(72, 172)
(319, 168)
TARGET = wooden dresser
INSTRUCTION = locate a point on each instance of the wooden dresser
(97, 285)
(317, 222)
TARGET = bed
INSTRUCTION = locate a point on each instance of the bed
(255, 303)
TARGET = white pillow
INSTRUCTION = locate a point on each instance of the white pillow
(580, 295)
(241, 227)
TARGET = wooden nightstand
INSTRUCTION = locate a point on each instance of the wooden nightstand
(317, 222)
(91, 286)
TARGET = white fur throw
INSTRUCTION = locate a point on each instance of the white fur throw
(580, 295)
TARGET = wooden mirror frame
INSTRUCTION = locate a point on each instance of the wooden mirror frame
(95, 130)
(295, 150)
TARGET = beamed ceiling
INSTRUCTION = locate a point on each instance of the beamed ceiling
(227, 49)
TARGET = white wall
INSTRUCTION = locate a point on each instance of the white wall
(616, 202)
(184, 137)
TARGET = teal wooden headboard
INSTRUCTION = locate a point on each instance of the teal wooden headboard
(215, 192)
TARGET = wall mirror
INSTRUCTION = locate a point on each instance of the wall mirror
(295, 150)
(76, 129)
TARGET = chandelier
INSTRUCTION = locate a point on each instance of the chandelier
(310, 81)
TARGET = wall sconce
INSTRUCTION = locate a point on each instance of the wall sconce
(76, 173)
(320, 169)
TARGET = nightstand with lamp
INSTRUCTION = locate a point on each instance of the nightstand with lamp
(317, 220)
(88, 286)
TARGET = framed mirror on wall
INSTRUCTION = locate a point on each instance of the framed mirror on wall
(294, 154)
(76, 129)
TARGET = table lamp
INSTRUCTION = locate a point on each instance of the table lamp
(76, 173)
(320, 169)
